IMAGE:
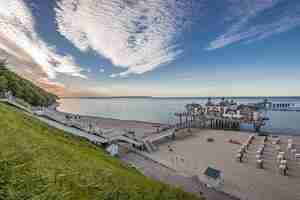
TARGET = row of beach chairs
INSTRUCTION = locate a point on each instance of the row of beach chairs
(282, 158)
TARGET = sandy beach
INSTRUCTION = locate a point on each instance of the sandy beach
(140, 128)
(193, 154)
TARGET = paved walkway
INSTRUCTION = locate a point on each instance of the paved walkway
(52, 123)
(73, 131)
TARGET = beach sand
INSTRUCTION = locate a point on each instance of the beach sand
(140, 128)
(193, 154)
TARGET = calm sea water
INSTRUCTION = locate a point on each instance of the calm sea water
(162, 110)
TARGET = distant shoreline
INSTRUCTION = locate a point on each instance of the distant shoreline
(204, 97)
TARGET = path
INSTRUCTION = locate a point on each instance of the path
(73, 131)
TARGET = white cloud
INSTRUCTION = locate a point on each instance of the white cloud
(137, 35)
(113, 75)
(249, 22)
(17, 25)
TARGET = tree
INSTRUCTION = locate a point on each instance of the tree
(24, 89)
(3, 85)
(3, 63)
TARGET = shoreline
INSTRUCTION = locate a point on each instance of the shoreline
(87, 123)
(55, 108)
(163, 124)
(115, 119)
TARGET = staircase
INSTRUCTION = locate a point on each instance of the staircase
(150, 147)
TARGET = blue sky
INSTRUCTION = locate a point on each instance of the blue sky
(155, 47)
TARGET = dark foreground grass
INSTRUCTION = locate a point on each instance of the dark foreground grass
(38, 162)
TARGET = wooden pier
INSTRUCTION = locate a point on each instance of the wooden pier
(189, 120)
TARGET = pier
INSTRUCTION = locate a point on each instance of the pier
(206, 121)
(225, 115)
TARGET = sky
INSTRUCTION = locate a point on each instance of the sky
(154, 47)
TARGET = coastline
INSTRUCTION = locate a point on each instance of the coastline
(113, 119)
(195, 145)
(141, 129)
(55, 108)
(124, 121)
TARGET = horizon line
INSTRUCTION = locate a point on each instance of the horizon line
(108, 97)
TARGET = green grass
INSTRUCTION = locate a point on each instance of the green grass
(38, 162)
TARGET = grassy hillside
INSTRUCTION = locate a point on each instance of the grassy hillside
(38, 162)
(23, 89)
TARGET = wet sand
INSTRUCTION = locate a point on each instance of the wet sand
(193, 154)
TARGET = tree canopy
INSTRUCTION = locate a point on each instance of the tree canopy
(24, 89)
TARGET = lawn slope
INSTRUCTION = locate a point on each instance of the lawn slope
(38, 162)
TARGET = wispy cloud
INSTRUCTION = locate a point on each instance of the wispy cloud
(257, 19)
(19, 38)
(137, 35)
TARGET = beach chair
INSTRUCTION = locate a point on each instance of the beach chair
(281, 153)
(258, 157)
(283, 170)
(259, 152)
(289, 146)
(276, 141)
(283, 162)
(279, 158)
(239, 157)
(293, 153)
(259, 164)
(278, 148)
(297, 156)
(241, 151)
(265, 139)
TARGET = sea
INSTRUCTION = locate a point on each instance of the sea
(161, 110)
